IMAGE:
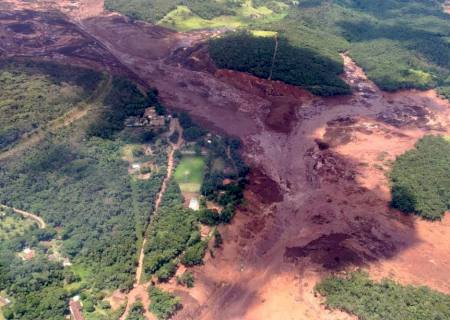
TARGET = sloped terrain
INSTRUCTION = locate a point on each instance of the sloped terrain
(318, 196)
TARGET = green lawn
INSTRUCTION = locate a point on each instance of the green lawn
(189, 173)
(183, 19)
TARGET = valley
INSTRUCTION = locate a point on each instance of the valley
(318, 192)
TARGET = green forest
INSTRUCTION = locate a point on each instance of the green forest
(385, 300)
(294, 65)
(420, 179)
(77, 180)
(32, 94)
(400, 44)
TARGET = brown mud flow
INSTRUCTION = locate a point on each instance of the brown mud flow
(318, 196)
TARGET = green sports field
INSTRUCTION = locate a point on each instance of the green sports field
(189, 173)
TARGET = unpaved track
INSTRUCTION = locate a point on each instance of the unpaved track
(140, 290)
(40, 222)
(75, 114)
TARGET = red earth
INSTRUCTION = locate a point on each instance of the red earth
(317, 202)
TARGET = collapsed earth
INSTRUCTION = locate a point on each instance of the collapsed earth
(226, 159)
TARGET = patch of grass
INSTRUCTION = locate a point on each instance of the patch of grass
(190, 173)
(183, 19)
(370, 300)
(263, 33)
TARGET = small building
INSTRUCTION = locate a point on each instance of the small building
(149, 119)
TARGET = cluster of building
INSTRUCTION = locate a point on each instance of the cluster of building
(150, 119)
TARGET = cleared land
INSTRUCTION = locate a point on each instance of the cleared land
(190, 173)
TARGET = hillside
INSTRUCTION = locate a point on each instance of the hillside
(224, 159)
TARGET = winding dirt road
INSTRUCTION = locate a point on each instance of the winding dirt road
(140, 289)
(40, 222)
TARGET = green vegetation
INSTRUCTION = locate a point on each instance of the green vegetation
(189, 173)
(400, 44)
(13, 225)
(421, 179)
(136, 312)
(34, 93)
(171, 232)
(261, 56)
(123, 101)
(194, 254)
(198, 14)
(186, 279)
(76, 179)
(163, 304)
(387, 300)
(36, 286)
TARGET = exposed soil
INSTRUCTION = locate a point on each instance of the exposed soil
(318, 195)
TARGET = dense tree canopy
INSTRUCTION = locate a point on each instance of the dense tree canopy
(369, 300)
(421, 179)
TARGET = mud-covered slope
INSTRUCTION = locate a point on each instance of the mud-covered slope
(318, 196)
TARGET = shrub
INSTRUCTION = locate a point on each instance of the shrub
(194, 254)
(163, 304)
(186, 279)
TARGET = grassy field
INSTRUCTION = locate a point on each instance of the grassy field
(189, 173)
(183, 19)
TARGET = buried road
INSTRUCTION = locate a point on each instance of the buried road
(318, 195)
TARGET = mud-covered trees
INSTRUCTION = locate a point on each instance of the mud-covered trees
(421, 179)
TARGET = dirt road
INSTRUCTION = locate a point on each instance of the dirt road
(75, 114)
(39, 221)
(140, 290)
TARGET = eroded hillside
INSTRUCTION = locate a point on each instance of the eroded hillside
(317, 200)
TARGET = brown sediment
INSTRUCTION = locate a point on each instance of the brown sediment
(318, 195)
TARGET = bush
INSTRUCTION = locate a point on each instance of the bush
(163, 304)
(194, 254)
(186, 279)
(218, 241)
(166, 272)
